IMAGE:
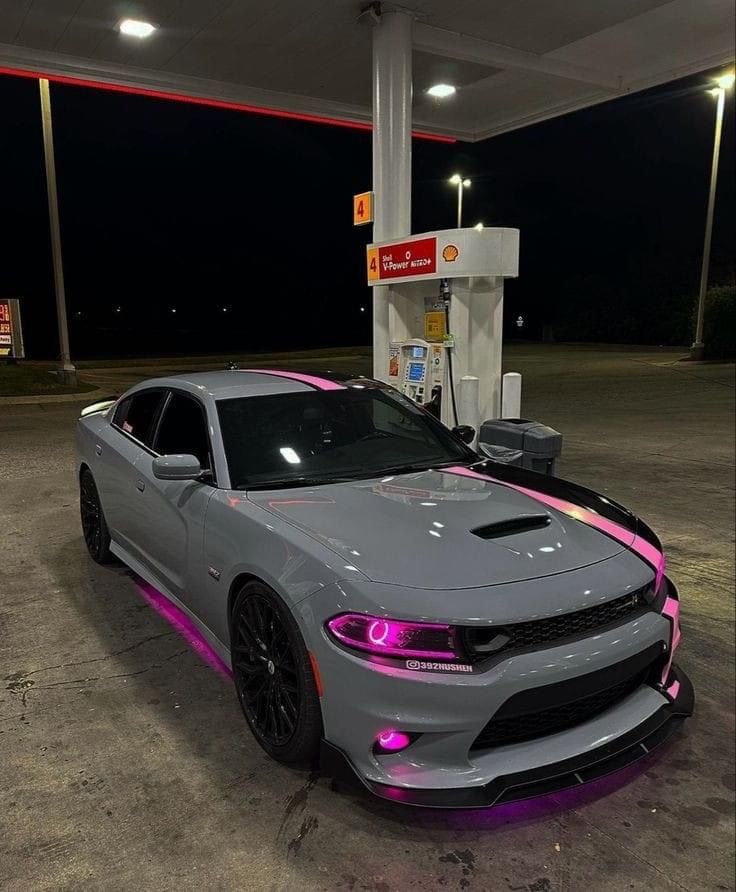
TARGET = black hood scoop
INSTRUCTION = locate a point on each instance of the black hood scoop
(512, 526)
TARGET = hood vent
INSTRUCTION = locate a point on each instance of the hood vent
(523, 524)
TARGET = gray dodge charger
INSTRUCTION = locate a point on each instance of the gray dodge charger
(445, 630)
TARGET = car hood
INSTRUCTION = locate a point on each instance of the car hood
(417, 530)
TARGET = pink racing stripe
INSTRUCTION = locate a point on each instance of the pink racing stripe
(644, 549)
(671, 610)
(319, 383)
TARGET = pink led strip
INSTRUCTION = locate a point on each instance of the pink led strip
(644, 549)
(313, 380)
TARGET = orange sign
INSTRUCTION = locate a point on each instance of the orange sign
(373, 270)
(450, 253)
(362, 208)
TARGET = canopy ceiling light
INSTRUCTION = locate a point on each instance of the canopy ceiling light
(442, 91)
(136, 28)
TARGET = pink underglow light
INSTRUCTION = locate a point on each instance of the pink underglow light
(393, 741)
(182, 624)
(674, 689)
(530, 812)
(313, 380)
(648, 552)
(388, 637)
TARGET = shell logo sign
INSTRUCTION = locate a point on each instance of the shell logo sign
(452, 253)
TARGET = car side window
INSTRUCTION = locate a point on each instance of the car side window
(136, 414)
(183, 430)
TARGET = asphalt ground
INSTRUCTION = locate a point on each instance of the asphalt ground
(125, 762)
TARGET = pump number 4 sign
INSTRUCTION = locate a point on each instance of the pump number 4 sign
(362, 208)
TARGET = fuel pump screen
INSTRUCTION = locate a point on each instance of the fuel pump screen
(416, 371)
(417, 353)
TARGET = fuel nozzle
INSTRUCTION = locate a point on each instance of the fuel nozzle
(445, 290)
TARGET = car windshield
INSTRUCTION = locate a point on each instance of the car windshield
(298, 439)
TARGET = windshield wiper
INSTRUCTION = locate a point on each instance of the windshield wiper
(346, 477)
(416, 468)
(293, 482)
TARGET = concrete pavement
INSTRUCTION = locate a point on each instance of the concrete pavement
(125, 762)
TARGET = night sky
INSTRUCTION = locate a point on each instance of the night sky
(172, 206)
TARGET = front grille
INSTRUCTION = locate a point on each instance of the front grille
(481, 643)
(567, 703)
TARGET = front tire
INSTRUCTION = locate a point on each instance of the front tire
(94, 526)
(273, 676)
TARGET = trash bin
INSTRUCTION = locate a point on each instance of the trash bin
(517, 441)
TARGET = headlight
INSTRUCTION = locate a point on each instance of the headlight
(386, 637)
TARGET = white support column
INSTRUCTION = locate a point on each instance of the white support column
(468, 402)
(511, 395)
(392, 46)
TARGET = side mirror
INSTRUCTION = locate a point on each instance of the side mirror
(465, 432)
(177, 467)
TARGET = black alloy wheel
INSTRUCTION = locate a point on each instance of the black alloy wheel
(94, 527)
(273, 676)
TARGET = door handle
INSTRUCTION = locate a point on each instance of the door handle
(98, 449)
(140, 485)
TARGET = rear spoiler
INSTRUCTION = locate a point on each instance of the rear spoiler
(102, 406)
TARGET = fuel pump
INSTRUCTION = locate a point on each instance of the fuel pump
(421, 372)
(424, 368)
(442, 346)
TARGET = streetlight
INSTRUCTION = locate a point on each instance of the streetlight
(67, 372)
(461, 183)
(723, 83)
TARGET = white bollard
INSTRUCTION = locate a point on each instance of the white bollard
(468, 410)
(511, 395)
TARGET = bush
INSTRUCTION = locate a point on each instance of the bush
(599, 310)
(719, 326)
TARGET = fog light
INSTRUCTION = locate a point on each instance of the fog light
(392, 741)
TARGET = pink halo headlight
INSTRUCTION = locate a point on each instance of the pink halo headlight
(378, 632)
(392, 741)
(386, 637)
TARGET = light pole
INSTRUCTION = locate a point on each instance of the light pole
(723, 83)
(67, 372)
(461, 183)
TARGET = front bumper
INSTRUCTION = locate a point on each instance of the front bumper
(452, 762)
(581, 769)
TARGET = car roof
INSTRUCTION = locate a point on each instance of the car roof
(233, 383)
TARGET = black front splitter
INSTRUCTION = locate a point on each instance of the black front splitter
(573, 772)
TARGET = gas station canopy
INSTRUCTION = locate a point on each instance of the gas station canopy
(514, 62)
